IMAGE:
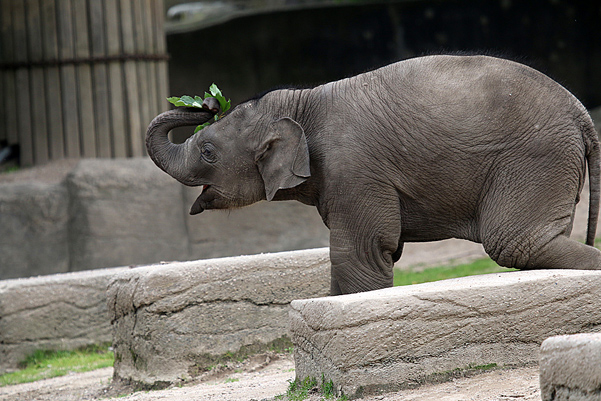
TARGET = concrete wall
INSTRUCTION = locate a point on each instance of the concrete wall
(122, 212)
(398, 337)
(164, 319)
(171, 322)
(60, 311)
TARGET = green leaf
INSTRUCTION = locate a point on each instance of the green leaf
(215, 91)
(187, 101)
(191, 102)
(196, 101)
(228, 104)
(176, 101)
(201, 127)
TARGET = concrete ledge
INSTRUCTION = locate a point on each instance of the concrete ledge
(171, 321)
(400, 337)
(61, 311)
(570, 368)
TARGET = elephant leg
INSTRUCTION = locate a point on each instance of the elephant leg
(565, 253)
(364, 243)
(525, 227)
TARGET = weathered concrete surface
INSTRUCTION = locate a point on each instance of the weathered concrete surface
(170, 320)
(570, 368)
(124, 211)
(62, 311)
(399, 337)
(33, 229)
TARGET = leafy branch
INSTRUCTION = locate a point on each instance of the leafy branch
(196, 101)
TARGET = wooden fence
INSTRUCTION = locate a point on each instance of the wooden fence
(80, 78)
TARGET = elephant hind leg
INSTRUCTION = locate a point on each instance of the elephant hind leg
(559, 252)
(565, 253)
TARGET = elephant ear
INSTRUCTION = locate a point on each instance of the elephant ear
(283, 157)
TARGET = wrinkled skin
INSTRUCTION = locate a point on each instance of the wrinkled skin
(426, 149)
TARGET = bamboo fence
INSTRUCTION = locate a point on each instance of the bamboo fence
(80, 78)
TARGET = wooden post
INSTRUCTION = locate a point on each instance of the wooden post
(161, 48)
(54, 122)
(70, 105)
(22, 83)
(115, 76)
(85, 95)
(9, 76)
(37, 88)
(80, 78)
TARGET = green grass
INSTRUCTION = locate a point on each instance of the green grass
(46, 364)
(9, 169)
(299, 390)
(480, 266)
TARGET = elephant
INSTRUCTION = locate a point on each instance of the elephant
(429, 148)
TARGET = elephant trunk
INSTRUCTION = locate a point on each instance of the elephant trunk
(169, 157)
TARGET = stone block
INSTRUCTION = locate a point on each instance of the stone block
(124, 212)
(262, 227)
(403, 336)
(33, 229)
(55, 312)
(570, 368)
(171, 321)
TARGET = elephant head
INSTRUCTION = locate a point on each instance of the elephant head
(243, 158)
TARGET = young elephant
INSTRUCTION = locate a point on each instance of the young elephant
(429, 148)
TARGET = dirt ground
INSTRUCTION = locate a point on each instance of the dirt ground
(267, 376)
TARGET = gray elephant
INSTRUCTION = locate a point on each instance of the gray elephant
(436, 147)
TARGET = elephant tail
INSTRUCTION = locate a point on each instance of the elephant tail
(593, 156)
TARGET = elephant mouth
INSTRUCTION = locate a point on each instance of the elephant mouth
(197, 206)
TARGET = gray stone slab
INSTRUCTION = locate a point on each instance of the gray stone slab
(124, 211)
(570, 368)
(404, 336)
(262, 227)
(170, 320)
(33, 229)
(54, 312)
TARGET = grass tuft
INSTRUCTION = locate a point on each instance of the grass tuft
(299, 390)
(44, 364)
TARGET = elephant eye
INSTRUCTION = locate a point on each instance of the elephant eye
(208, 153)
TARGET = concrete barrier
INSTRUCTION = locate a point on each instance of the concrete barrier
(55, 312)
(34, 221)
(403, 336)
(124, 212)
(570, 368)
(172, 321)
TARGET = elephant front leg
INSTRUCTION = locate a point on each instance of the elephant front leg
(363, 249)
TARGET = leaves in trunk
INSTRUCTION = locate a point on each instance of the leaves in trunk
(196, 101)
